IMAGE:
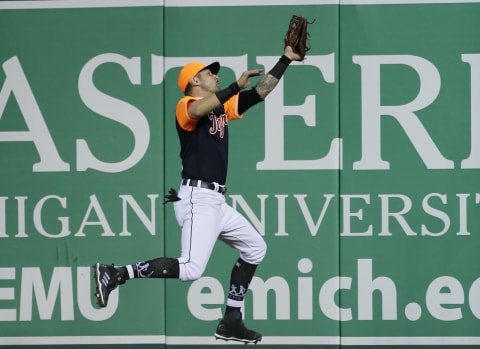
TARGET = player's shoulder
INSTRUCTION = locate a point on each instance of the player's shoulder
(187, 99)
(182, 104)
(184, 120)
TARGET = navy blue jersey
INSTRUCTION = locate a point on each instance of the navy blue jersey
(204, 141)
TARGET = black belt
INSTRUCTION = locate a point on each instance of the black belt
(207, 185)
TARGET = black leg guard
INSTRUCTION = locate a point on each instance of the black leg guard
(242, 274)
(162, 267)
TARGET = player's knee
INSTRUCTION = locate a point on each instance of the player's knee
(262, 251)
(257, 253)
(190, 272)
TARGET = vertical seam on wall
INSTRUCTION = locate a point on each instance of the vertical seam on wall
(339, 159)
(164, 111)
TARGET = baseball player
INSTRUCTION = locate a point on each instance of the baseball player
(202, 119)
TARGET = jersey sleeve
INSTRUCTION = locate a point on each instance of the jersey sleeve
(184, 120)
(231, 108)
(188, 123)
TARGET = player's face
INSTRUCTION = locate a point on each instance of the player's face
(208, 81)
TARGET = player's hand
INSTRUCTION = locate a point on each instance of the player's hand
(291, 54)
(243, 81)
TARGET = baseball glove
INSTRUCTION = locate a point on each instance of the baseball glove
(297, 35)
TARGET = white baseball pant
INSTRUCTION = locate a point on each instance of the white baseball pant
(205, 217)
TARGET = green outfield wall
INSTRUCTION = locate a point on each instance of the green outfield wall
(361, 170)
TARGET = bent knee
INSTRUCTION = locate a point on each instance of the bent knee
(190, 271)
(256, 254)
(262, 251)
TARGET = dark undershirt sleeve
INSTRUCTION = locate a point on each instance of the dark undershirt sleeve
(248, 99)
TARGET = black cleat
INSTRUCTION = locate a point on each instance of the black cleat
(107, 278)
(231, 327)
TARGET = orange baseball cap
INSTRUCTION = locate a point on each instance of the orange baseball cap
(192, 69)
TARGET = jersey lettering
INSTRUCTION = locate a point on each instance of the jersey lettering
(218, 124)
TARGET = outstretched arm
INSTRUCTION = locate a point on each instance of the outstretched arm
(203, 106)
(268, 82)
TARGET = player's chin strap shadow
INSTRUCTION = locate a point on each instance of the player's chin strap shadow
(172, 196)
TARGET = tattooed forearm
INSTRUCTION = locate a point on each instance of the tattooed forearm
(266, 84)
